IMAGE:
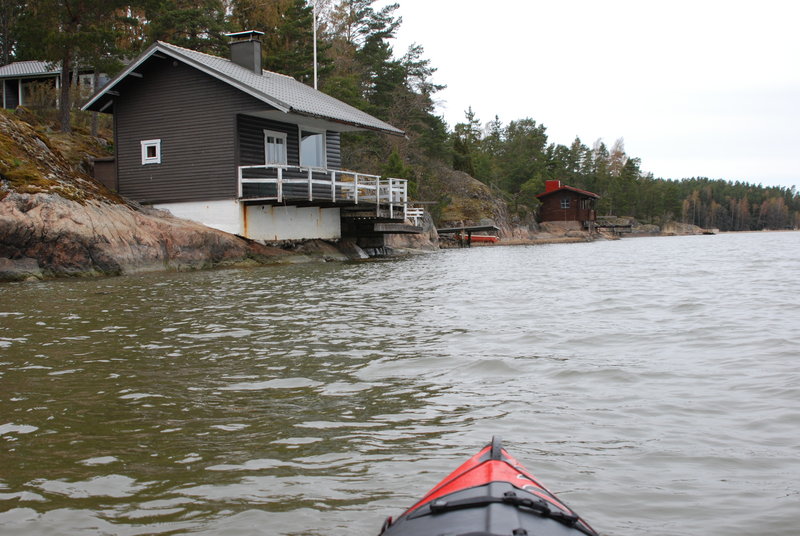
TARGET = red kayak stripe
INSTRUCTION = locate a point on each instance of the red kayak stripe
(477, 472)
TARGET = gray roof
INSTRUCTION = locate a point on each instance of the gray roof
(21, 69)
(278, 90)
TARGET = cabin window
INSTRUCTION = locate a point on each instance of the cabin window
(274, 147)
(86, 84)
(86, 80)
(151, 152)
(312, 149)
(565, 202)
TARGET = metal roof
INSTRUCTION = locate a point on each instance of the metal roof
(278, 90)
(20, 69)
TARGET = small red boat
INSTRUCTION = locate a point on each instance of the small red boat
(477, 238)
(491, 494)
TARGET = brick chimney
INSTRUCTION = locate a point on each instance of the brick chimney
(551, 186)
(246, 49)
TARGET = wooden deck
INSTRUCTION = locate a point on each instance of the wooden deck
(295, 185)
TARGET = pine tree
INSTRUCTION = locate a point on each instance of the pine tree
(288, 41)
(10, 11)
(71, 33)
(195, 24)
(466, 143)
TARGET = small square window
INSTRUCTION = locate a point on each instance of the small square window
(151, 152)
(565, 202)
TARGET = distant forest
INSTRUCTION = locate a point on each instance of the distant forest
(358, 65)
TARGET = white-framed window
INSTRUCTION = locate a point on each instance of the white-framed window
(86, 80)
(312, 149)
(274, 147)
(86, 84)
(565, 202)
(151, 152)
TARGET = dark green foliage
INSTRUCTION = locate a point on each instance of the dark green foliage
(466, 140)
(196, 24)
(518, 158)
(288, 40)
(10, 11)
(358, 65)
(72, 33)
(289, 46)
(395, 168)
(366, 74)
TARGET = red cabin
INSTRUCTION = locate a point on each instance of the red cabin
(565, 203)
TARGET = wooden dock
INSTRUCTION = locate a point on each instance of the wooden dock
(464, 234)
(614, 228)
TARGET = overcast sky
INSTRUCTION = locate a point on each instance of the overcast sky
(702, 88)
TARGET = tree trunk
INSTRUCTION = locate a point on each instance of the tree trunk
(95, 83)
(63, 102)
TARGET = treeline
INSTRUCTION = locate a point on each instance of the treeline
(516, 159)
(357, 64)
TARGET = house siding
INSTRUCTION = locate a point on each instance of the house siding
(551, 208)
(251, 140)
(194, 116)
(251, 129)
(333, 142)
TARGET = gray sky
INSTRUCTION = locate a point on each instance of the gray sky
(696, 88)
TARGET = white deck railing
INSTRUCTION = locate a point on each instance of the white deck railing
(296, 183)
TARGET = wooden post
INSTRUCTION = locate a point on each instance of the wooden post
(280, 184)
(405, 200)
(391, 198)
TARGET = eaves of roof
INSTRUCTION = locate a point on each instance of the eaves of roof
(27, 68)
(277, 90)
(570, 189)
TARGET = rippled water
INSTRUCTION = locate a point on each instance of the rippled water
(652, 383)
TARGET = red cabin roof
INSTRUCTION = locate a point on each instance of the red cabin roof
(551, 187)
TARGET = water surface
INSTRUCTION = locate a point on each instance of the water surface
(652, 383)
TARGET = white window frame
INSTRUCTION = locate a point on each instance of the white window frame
(86, 84)
(280, 135)
(565, 202)
(146, 144)
(86, 80)
(324, 135)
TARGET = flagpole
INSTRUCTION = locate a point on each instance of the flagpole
(315, 44)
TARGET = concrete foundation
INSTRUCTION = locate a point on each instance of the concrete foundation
(273, 223)
(261, 222)
(222, 215)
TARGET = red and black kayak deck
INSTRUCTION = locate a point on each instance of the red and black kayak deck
(491, 494)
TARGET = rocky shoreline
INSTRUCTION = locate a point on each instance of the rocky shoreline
(45, 236)
(56, 221)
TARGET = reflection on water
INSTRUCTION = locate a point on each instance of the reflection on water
(649, 381)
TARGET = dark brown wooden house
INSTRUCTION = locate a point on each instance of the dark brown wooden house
(247, 151)
(565, 203)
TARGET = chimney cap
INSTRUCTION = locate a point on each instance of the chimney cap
(250, 35)
(552, 185)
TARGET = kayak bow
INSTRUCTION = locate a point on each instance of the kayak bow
(491, 494)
